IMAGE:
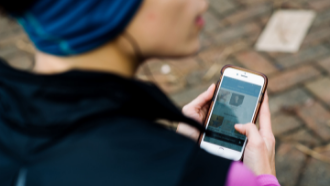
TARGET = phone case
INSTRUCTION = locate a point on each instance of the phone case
(217, 87)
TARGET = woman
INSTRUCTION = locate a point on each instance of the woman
(79, 118)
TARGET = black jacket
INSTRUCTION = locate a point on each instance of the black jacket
(89, 128)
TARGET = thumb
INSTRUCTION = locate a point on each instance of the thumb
(249, 130)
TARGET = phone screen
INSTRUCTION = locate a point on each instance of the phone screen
(235, 104)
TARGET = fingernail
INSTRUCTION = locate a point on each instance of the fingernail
(210, 86)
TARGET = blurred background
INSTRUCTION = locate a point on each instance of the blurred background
(299, 83)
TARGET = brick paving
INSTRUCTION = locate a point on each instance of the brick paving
(298, 83)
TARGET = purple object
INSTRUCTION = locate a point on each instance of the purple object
(240, 175)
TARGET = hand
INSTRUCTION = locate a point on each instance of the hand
(197, 110)
(259, 153)
(261, 159)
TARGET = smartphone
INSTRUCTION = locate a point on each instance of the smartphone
(237, 100)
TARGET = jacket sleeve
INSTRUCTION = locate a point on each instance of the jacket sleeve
(241, 175)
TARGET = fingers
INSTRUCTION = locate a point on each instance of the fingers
(196, 110)
(265, 117)
(256, 156)
(188, 131)
(205, 97)
(249, 130)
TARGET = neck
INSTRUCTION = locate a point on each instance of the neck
(108, 58)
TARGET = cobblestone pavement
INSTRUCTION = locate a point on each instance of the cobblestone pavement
(299, 84)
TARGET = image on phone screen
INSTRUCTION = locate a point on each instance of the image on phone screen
(235, 104)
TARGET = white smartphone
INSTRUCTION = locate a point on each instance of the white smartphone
(237, 100)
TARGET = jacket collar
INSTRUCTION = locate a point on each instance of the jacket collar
(49, 104)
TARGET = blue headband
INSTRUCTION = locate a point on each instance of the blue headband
(69, 27)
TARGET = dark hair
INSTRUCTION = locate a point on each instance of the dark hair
(15, 7)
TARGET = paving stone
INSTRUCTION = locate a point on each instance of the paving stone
(322, 18)
(212, 24)
(205, 41)
(222, 6)
(254, 61)
(141, 72)
(302, 136)
(291, 78)
(155, 65)
(244, 15)
(183, 66)
(172, 81)
(317, 118)
(292, 5)
(325, 64)
(316, 36)
(286, 1)
(292, 98)
(289, 161)
(320, 88)
(316, 173)
(235, 33)
(264, 20)
(178, 67)
(319, 5)
(169, 83)
(284, 123)
(211, 55)
(276, 4)
(251, 39)
(196, 77)
(250, 2)
(303, 56)
(276, 55)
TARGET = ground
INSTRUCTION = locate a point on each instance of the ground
(299, 84)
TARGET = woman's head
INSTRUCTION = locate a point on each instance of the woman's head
(168, 28)
(160, 28)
